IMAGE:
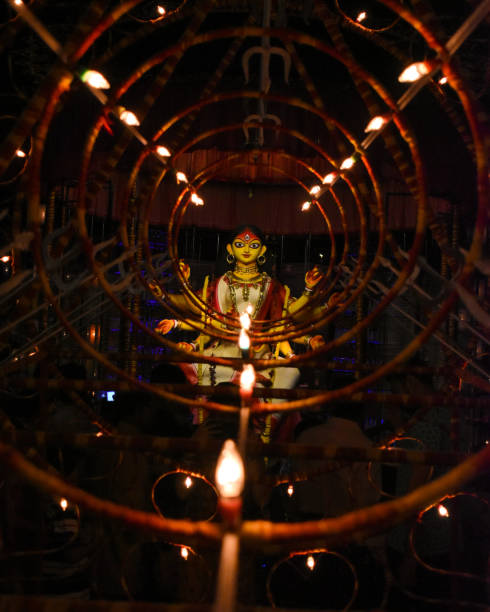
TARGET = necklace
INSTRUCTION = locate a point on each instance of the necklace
(245, 285)
(245, 269)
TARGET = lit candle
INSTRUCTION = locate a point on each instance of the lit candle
(128, 117)
(443, 511)
(181, 177)
(347, 163)
(188, 482)
(196, 199)
(315, 189)
(247, 381)
(414, 72)
(306, 206)
(184, 553)
(310, 562)
(95, 79)
(63, 504)
(329, 178)
(361, 17)
(376, 123)
(163, 151)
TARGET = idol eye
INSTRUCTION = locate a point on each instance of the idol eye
(254, 245)
(239, 244)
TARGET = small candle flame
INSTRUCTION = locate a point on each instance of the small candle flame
(290, 490)
(443, 511)
(188, 482)
(244, 340)
(63, 504)
(184, 553)
(310, 562)
(245, 319)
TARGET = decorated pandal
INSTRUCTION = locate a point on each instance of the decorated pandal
(243, 427)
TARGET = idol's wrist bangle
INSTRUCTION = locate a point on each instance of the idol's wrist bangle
(176, 324)
(308, 291)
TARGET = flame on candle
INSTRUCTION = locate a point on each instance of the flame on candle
(188, 482)
(414, 72)
(163, 151)
(230, 473)
(63, 504)
(247, 378)
(128, 117)
(315, 189)
(184, 553)
(245, 319)
(329, 178)
(196, 199)
(347, 163)
(181, 177)
(306, 206)
(443, 511)
(310, 562)
(5, 259)
(161, 10)
(95, 79)
(361, 17)
(290, 490)
(243, 340)
(376, 123)
(20, 153)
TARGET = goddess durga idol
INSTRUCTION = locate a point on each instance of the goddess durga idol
(245, 288)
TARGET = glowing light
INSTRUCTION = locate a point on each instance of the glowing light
(5, 259)
(443, 511)
(245, 320)
(18, 2)
(244, 340)
(20, 153)
(161, 10)
(249, 309)
(315, 189)
(290, 490)
(230, 473)
(347, 163)
(163, 151)
(184, 553)
(99, 434)
(181, 177)
(95, 79)
(329, 178)
(376, 123)
(188, 482)
(128, 117)
(414, 72)
(361, 17)
(310, 562)
(63, 504)
(196, 199)
(247, 378)
(306, 206)
(442, 80)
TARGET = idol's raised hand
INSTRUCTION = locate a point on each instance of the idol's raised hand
(166, 325)
(312, 278)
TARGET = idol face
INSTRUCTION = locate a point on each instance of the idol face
(246, 247)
